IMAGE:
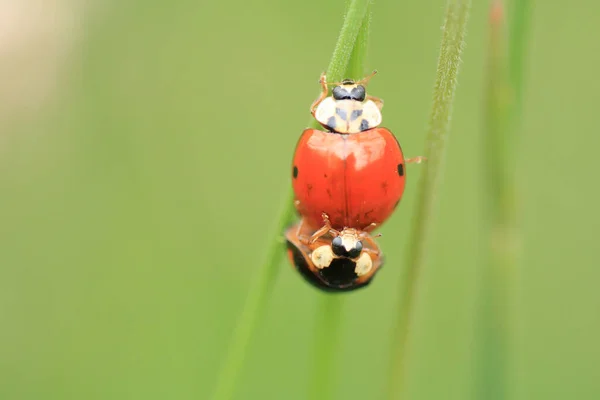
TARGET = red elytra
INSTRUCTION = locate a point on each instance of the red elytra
(357, 179)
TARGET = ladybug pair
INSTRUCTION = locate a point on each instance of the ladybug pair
(347, 181)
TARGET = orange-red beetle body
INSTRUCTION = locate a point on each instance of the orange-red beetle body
(356, 179)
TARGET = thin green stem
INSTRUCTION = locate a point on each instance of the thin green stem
(356, 64)
(457, 14)
(328, 326)
(351, 29)
(517, 45)
(494, 316)
(258, 294)
(253, 311)
(500, 223)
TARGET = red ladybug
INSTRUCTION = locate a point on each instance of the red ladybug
(332, 260)
(355, 173)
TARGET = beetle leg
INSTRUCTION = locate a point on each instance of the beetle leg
(371, 251)
(370, 241)
(300, 235)
(378, 102)
(415, 160)
(364, 234)
(325, 229)
(318, 234)
(371, 226)
(324, 92)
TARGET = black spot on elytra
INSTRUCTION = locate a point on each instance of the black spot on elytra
(364, 125)
(331, 123)
(342, 113)
(401, 169)
(295, 173)
(355, 114)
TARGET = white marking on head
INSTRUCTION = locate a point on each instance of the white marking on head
(363, 265)
(322, 257)
(349, 240)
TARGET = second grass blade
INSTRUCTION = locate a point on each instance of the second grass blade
(454, 30)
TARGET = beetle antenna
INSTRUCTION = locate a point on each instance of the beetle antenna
(367, 78)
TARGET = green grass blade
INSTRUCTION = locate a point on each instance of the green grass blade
(351, 29)
(517, 45)
(457, 13)
(494, 315)
(328, 326)
(356, 64)
(256, 302)
(253, 311)
(499, 274)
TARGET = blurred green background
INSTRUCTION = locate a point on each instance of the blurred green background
(144, 155)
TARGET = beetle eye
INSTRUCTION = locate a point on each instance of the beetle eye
(355, 252)
(338, 247)
(340, 93)
(358, 93)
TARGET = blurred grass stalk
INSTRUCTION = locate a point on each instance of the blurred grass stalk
(330, 306)
(253, 310)
(454, 30)
(497, 322)
(353, 30)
